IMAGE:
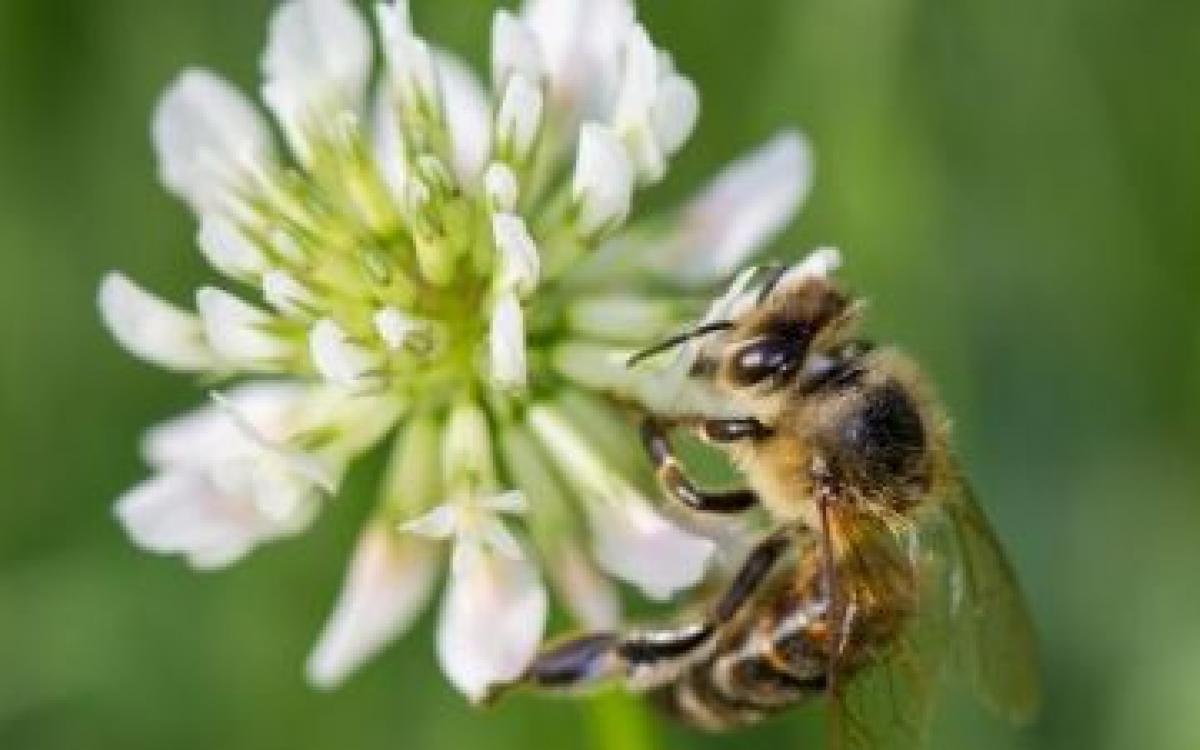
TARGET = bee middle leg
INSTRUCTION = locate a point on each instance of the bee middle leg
(649, 659)
(670, 469)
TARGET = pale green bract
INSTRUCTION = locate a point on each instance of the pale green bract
(452, 275)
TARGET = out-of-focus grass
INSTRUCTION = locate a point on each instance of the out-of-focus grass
(1015, 185)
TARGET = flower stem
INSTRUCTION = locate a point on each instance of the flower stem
(618, 721)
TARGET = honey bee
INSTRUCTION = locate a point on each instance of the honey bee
(879, 568)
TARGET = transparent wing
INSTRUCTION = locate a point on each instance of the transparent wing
(918, 596)
(895, 631)
(990, 626)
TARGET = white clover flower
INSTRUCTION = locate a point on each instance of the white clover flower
(448, 271)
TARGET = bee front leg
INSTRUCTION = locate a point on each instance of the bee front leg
(670, 470)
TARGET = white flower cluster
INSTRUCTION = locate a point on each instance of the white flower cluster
(448, 271)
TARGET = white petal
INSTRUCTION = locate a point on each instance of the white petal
(491, 624)
(468, 116)
(187, 513)
(395, 327)
(519, 262)
(387, 141)
(675, 111)
(208, 137)
(636, 544)
(817, 265)
(152, 329)
(603, 179)
(239, 331)
(739, 212)
(501, 186)
(639, 85)
(519, 119)
(316, 64)
(639, 91)
(229, 251)
(587, 593)
(512, 501)
(507, 341)
(287, 295)
(468, 555)
(294, 467)
(515, 51)
(632, 541)
(501, 540)
(338, 358)
(441, 522)
(622, 317)
(387, 585)
(208, 434)
(582, 42)
(409, 59)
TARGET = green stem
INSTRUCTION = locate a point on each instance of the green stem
(617, 721)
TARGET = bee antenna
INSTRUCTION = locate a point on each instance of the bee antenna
(674, 341)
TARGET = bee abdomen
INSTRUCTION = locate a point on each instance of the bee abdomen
(756, 673)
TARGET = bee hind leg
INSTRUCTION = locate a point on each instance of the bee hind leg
(644, 660)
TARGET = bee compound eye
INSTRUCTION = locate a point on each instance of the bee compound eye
(763, 358)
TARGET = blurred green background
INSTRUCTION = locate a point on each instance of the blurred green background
(1015, 183)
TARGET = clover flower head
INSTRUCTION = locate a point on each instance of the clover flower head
(447, 272)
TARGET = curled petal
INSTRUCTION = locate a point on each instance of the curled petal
(316, 64)
(338, 358)
(581, 42)
(739, 212)
(512, 501)
(515, 51)
(387, 143)
(287, 295)
(519, 118)
(209, 139)
(152, 329)
(439, 523)
(387, 585)
(396, 327)
(519, 262)
(501, 185)
(468, 116)
(632, 541)
(507, 340)
(636, 544)
(603, 181)
(240, 332)
(622, 317)
(497, 536)
(818, 265)
(491, 623)
(208, 434)
(228, 250)
(587, 593)
(674, 112)
(409, 59)
(211, 521)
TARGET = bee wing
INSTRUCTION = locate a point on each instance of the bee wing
(888, 697)
(990, 626)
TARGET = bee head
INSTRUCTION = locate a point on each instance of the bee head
(794, 320)
(793, 324)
